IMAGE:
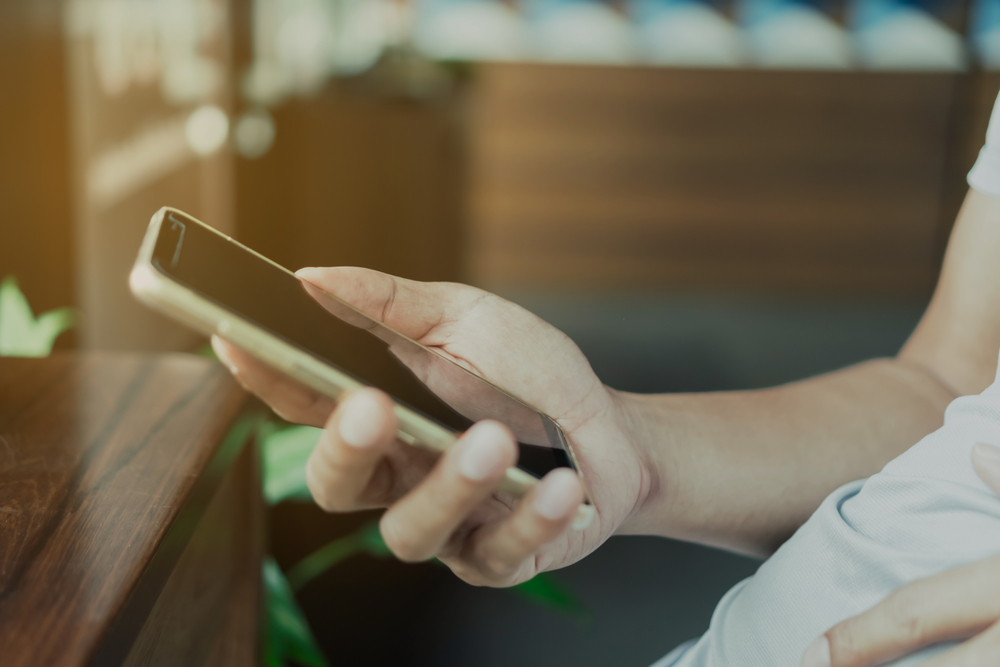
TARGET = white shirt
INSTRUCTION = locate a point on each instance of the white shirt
(985, 174)
(924, 513)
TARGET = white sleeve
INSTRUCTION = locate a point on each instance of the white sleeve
(985, 174)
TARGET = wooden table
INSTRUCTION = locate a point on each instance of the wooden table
(130, 513)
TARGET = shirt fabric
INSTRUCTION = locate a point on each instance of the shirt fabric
(924, 513)
(985, 174)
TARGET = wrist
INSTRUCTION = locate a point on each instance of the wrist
(646, 440)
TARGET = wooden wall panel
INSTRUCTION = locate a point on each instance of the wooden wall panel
(602, 177)
(36, 220)
(359, 179)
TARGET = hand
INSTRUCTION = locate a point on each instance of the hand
(447, 505)
(957, 604)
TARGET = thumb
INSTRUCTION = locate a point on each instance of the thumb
(412, 308)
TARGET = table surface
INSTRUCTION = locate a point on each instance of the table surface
(105, 460)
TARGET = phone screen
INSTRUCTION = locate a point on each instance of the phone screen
(226, 273)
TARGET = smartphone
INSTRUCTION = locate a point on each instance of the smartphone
(210, 282)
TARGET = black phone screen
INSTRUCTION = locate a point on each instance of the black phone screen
(226, 273)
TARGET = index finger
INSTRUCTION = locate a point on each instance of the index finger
(953, 605)
(291, 399)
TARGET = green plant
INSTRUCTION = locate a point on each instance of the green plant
(21, 333)
(287, 635)
(285, 452)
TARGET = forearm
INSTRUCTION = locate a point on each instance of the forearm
(742, 470)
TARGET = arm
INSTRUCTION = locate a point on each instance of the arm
(743, 470)
(739, 470)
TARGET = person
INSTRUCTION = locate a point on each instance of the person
(925, 512)
(736, 470)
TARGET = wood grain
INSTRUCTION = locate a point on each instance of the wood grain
(212, 599)
(603, 177)
(107, 462)
(239, 641)
(359, 180)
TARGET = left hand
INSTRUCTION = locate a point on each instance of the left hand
(446, 505)
(962, 603)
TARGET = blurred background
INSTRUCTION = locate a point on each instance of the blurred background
(704, 195)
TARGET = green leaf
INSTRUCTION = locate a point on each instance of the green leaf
(547, 591)
(543, 589)
(323, 559)
(21, 335)
(371, 536)
(367, 539)
(288, 634)
(286, 450)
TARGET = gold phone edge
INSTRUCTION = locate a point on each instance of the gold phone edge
(184, 305)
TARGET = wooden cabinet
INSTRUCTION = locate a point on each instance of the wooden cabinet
(130, 513)
(655, 178)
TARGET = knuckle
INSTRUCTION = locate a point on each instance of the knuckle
(447, 497)
(497, 568)
(403, 546)
(322, 491)
(485, 573)
(319, 407)
(494, 569)
(525, 539)
(316, 487)
(847, 646)
(450, 500)
(289, 415)
(904, 615)
(329, 502)
(470, 575)
(323, 498)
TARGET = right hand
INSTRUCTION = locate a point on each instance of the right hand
(958, 604)
(447, 506)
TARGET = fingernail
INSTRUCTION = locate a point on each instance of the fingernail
(362, 421)
(559, 495)
(223, 354)
(988, 454)
(484, 452)
(818, 653)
